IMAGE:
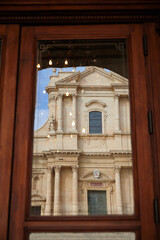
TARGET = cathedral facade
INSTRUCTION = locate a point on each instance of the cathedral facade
(82, 155)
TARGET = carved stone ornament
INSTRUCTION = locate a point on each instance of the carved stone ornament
(96, 173)
(52, 124)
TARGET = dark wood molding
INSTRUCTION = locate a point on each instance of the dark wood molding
(158, 26)
(79, 11)
(144, 194)
(79, 17)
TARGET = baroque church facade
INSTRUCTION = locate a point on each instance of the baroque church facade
(82, 156)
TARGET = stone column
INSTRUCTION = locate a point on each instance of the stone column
(117, 126)
(57, 190)
(118, 190)
(74, 111)
(75, 190)
(49, 192)
(59, 115)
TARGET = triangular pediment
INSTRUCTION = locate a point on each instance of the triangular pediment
(37, 196)
(93, 76)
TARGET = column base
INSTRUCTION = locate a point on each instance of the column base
(119, 210)
(74, 209)
(48, 210)
(59, 131)
(51, 132)
(118, 132)
(74, 131)
(57, 209)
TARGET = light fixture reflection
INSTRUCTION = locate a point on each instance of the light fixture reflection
(83, 130)
(73, 123)
(38, 65)
(67, 94)
(66, 62)
(50, 62)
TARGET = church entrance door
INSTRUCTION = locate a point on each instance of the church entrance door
(97, 204)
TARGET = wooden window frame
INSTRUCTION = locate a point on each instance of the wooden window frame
(20, 199)
(8, 77)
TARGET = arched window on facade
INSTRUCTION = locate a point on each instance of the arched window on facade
(95, 122)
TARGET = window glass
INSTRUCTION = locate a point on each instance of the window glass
(35, 210)
(95, 122)
(0, 50)
(0, 74)
(82, 154)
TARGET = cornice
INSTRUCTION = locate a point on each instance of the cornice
(80, 153)
(77, 17)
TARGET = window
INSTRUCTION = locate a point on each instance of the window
(97, 204)
(95, 122)
(107, 153)
(35, 210)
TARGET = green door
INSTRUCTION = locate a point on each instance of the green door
(97, 204)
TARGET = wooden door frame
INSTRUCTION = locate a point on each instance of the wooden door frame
(153, 72)
(20, 222)
(10, 44)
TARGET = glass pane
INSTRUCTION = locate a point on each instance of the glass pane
(0, 53)
(82, 155)
(0, 74)
(83, 236)
(0, 50)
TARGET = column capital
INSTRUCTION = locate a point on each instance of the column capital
(74, 95)
(49, 169)
(75, 168)
(116, 96)
(57, 168)
(59, 95)
(117, 169)
(51, 97)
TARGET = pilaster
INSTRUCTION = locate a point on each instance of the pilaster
(118, 190)
(75, 190)
(57, 190)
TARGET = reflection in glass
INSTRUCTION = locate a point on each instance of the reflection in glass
(0, 53)
(0, 75)
(82, 157)
(83, 236)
